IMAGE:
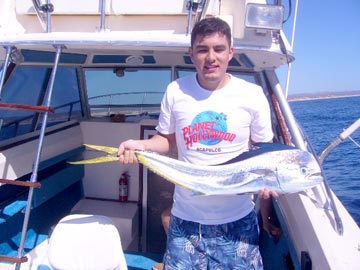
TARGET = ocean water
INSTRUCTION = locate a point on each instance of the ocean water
(322, 121)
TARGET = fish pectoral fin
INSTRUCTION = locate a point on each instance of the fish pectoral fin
(95, 160)
(262, 172)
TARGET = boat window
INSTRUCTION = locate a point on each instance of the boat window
(28, 85)
(126, 91)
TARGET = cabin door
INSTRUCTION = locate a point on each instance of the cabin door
(157, 196)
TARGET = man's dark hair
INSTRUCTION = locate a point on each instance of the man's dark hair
(209, 26)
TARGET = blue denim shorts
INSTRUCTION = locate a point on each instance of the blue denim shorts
(233, 245)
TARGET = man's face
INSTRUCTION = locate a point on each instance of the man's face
(211, 55)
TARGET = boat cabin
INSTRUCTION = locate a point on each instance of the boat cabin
(94, 72)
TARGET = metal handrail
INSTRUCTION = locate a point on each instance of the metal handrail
(3, 74)
(34, 174)
(102, 15)
(43, 12)
(201, 12)
(5, 65)
(299, 142)
(190, 7)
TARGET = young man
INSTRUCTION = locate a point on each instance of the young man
(211, 117)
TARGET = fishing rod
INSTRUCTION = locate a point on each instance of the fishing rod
(345, 134)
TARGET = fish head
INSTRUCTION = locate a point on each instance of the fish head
(299, 170)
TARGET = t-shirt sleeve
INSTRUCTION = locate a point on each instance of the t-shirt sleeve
(166, 124)
(260, 129)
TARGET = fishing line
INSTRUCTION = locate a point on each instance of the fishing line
(356, 143)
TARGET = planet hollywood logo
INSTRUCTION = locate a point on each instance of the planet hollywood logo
(208, 128)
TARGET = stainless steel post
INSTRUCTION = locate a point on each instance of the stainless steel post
(38, 155)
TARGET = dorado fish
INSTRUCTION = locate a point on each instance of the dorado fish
(287, 170)
(279, 167)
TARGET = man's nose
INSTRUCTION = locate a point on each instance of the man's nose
(211, 55)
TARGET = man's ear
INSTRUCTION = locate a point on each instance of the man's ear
(231, 53)
(190, 51)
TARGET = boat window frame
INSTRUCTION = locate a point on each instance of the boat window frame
(34, 119)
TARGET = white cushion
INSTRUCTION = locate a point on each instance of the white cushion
(85, 242)
(125, 216)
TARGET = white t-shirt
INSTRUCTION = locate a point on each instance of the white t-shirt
(213, 127)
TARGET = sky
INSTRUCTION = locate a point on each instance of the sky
(326, 47)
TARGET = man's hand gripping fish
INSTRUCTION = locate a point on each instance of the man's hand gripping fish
(280, 168)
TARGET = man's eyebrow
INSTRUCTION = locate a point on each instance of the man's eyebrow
(201, 46)
(220, 46)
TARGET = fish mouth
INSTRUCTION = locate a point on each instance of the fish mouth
(314, 175)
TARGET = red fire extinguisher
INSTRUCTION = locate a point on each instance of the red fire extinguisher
(124, 186)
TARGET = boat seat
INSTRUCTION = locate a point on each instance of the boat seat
(124, 215)
(86, 242)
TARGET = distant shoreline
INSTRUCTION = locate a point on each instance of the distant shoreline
(304, 97)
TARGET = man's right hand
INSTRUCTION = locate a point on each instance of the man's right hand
(126, 151)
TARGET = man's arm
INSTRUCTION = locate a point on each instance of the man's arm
(160, 143)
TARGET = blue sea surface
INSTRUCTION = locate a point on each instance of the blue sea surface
(322, 121)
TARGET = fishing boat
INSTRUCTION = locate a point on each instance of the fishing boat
(94, 72)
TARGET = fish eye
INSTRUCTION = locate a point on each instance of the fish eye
(303, 170)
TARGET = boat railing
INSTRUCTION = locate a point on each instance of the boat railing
(144, 93)
(44, 10)
(66, 116)
(126, 106)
